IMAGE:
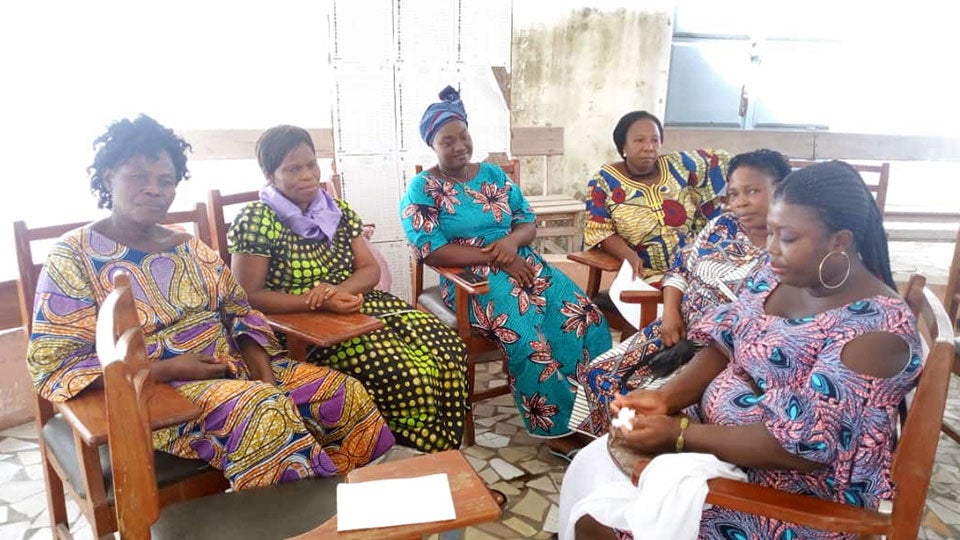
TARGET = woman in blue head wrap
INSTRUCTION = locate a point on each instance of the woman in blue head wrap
(460, 213)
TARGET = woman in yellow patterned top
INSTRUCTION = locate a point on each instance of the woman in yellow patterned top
(645, 208)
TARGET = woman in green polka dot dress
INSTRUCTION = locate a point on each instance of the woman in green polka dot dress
(298, 249)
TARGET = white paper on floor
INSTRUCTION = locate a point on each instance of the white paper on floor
(626, 282)
(400, 501)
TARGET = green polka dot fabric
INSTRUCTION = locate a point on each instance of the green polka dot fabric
(414, 367)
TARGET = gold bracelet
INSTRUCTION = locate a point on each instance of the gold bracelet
(684, 422)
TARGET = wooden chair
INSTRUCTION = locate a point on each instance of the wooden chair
(951, 299)
(131, 396)
(879, 189)
(73, 434)
(302, 330)
(598, 262)
(912, 462)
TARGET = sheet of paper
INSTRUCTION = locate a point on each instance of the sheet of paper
(401, 501)
(626, 282)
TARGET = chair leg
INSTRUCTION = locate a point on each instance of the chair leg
(950, 432)
(469, 431)
(56, 496)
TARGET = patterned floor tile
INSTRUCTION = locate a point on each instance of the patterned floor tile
(532, 498)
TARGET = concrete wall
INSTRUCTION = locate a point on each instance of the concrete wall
(583, 68)
(16, 390)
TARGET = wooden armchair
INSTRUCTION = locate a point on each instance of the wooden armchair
(879, 189)
(951, 299)
(598, 262)
(912, 462)
(302, 330)
(479, 349)
(73, 434)
(132, 399)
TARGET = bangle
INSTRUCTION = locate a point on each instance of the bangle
(684, 422)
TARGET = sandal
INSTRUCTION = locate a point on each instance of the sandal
(566, 456)
(498, 497)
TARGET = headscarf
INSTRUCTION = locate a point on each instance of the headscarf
(318, 222)
(449, 108)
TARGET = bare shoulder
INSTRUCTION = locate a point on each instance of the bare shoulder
(879, 354)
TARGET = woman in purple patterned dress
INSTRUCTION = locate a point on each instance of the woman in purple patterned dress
(801, 382)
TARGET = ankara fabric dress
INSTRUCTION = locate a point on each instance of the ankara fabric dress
(315, 422)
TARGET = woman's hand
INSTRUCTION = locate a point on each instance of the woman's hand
(644, 402)
(188, 367)
(651, 434)
(502, 252)
(521, 271)
(639, 271)
(319, 294)
(341, 302)
(672, 328)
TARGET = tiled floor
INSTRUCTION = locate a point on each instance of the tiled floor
(505, 456)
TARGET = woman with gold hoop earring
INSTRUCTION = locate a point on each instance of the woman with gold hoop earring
(799, 384)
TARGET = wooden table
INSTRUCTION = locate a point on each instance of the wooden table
(321, 328)
(558, 218)
(471, 499)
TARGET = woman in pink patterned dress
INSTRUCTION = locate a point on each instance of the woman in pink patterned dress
(802, 380)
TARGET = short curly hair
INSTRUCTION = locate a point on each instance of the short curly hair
(125, 139)
(627, 120)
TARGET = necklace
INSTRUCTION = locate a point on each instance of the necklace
(457, 179)
(641, 177)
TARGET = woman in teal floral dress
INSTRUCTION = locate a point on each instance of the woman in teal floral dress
(298, 249)
(470, 215)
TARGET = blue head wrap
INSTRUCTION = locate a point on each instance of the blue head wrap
(449, 108)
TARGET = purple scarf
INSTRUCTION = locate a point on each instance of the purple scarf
(318, 222)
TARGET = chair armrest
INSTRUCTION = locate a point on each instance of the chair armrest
(642, 297)
(595, 258)
(87, 412)
(451, 273)
(323, 328)
(794, 508)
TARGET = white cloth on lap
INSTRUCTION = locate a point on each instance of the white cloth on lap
(667, 503)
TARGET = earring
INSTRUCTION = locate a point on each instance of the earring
(845, 275)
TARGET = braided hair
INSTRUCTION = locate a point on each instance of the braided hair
(843, 201)
(125, 139)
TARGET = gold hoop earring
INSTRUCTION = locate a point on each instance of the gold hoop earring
(845, 275)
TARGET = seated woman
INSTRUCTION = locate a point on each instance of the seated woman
(465, 214)
(803, 375)
(706, 273)
(646, 207)
(298, 249)
(201, 335)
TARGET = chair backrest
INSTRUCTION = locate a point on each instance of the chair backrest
(951, 298)
(25, 237)
(127, 386)
(917, 447)
(879, 189)
(218, 222)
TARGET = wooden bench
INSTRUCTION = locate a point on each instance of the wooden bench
(914, 225)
